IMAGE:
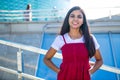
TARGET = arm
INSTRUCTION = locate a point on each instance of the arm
(98, 62)
(47, 60)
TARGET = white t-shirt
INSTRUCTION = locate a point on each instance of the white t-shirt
(59, 42)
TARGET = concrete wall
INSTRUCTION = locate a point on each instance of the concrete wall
(54, 27)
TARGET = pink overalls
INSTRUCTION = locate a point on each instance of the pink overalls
(75, 65)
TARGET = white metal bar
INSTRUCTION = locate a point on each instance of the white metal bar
(108, 68)
(24, 47)
(23, 74)
(19, 60)
(19, 64)
(8, 70)
(29, 48)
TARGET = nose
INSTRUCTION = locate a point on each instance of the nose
(75, 18)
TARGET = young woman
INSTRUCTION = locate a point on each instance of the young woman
(77, 46)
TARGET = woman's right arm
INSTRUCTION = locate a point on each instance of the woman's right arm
(47, 60)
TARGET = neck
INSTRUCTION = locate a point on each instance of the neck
(75, 34)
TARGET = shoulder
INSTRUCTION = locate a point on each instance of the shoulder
(59, 37)
(92, 35)
(58, 42)
(94, 38)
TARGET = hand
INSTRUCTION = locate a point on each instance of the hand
(91, 71)
(58, 70)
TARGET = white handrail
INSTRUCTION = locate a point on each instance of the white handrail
(43, 51)
(28, 48)
(23, 74)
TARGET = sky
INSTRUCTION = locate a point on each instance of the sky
(98, 8)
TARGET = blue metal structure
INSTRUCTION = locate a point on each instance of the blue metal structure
(109, 47)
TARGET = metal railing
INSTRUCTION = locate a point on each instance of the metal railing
(39, 51)
(54, 14)
(35, 15)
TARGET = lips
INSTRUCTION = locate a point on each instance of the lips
(75, 23)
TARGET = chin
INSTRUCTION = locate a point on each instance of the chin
(75, 27)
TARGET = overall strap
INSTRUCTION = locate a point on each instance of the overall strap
(64, 38)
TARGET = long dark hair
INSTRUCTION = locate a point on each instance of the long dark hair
(28, 7)
(84, 28)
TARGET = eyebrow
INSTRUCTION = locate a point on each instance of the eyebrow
(71, 14)
(78, 15)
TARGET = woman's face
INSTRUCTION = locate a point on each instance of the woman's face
(75, 19)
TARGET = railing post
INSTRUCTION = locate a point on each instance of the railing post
(110, 15)
(19, 64)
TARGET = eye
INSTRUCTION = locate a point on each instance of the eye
(79, 16)
(72, 16)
